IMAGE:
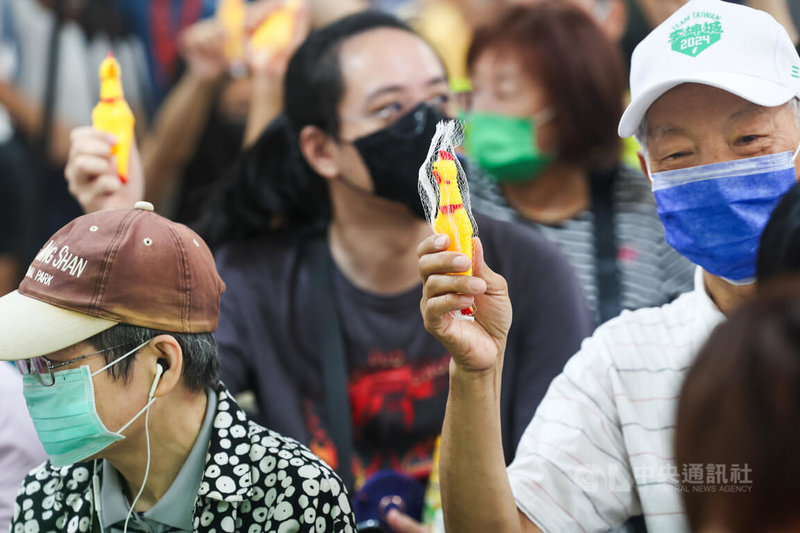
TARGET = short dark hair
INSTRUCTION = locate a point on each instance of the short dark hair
(272, 186)
(779, 251)
(314, 87)
(579, 67)
(200, 357)
(740, 405)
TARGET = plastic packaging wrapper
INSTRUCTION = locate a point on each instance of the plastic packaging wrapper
(444, 192)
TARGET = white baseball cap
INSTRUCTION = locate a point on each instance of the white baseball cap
(735, 48)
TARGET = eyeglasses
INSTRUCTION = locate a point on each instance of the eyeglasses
(393, 111)
(43, 368)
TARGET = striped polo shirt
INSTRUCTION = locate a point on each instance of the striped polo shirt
(599, 449)
(651, 272)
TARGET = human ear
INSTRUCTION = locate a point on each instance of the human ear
(546, 130)
(167, 355)
(797, 169)
(319, 150)
(643, 165)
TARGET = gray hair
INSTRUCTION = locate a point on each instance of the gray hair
(200, 358)
(641, 131)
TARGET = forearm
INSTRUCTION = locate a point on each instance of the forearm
(178, 127)
(264, 107)
(476, 493)
(27, 116)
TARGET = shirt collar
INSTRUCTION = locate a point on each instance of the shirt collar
(231, 437)
(176, 507)
(707, 314)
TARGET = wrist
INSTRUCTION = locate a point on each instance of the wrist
(265, 84)
(204, 82)
(475, 386)
(473, 375)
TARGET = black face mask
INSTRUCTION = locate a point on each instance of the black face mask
(393, 155)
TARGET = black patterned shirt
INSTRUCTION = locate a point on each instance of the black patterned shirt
(253, 480)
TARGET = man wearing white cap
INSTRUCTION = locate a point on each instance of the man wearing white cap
(112, 330)
(715, 105)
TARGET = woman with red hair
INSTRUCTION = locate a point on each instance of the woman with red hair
(548, 89)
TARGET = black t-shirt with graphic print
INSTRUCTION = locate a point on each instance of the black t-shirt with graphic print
(397, 372)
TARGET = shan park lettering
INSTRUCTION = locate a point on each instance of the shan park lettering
(58, 258)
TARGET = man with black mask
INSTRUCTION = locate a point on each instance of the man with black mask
(316, 239)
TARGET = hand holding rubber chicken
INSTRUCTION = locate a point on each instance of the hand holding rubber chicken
(231, 14)
(276, 31)
(277, 28)
(447, 204)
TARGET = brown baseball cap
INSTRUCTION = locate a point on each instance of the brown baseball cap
(115, 266)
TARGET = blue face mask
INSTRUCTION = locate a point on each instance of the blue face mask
(65, 415)
(714, 214)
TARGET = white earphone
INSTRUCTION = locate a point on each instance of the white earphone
(159, 372)
(161, 366)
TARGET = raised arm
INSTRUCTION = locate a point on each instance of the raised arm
(472, 447)
(268, 66)
(27, 115)
(179, 124)
(182, 117)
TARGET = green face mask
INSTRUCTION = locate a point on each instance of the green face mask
(505, 146)
(65, 414)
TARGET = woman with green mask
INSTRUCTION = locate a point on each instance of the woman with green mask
(542, 137)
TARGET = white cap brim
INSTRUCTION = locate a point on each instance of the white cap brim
(29, 327)
(756, 90)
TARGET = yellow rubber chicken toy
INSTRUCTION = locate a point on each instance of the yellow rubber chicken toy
(276, 31)
(452, 218)
(113, 115)
(231, 13)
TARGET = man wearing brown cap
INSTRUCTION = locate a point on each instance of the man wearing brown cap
(112, 330)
